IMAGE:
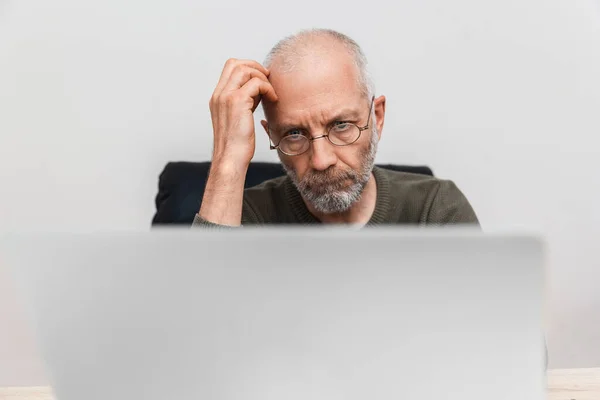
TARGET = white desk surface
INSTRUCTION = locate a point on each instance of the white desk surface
(563, 384)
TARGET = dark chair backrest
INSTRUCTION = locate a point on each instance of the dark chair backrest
(181, 187)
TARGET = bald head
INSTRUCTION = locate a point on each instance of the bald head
(317, 49)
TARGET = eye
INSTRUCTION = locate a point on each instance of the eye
(341, 126)
(294, 133)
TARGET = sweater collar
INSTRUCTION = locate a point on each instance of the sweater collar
(382, 202)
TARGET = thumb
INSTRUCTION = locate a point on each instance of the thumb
(257, 100)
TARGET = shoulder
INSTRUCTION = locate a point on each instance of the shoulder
(402, 184)
(428, 199)
(405, 177)
(262, 202)
(266, 191)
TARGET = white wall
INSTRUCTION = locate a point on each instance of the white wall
(503, 97)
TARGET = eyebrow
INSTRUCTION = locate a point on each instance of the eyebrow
(342, 115)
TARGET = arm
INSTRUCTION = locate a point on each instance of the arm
(223, 196)
(242, 86)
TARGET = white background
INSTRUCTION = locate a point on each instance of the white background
(503, 97)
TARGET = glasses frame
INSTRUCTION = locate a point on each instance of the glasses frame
(312, 139)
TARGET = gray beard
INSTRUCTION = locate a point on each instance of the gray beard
(326, 191)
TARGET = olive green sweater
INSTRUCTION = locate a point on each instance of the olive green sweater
(402, 198)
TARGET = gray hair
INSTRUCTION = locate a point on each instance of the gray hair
(290, 49)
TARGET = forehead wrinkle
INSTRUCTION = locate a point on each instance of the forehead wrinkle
(316, 115)
(323, 118)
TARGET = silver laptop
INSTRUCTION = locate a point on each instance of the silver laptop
(285, 314)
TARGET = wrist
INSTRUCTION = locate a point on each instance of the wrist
(231, 158)
(229, 166)
(224, 192)
(227, 174)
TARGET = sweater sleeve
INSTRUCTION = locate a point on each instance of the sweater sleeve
(249, 217)
(201, 223)
(450, 206)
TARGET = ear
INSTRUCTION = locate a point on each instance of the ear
(265, 126)
(379, 107)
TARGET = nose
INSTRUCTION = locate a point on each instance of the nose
(323, 154)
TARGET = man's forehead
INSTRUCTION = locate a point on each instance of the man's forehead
(328, 71)
(298, 97)
(321, 106)
(314, 72)
(323, 83)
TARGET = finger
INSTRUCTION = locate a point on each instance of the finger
(256, 65)
(241, 75)
(230, 66)
(256, 87)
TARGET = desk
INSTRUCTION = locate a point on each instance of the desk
(563, 384)
(570, 384)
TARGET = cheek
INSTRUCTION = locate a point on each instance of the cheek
(351, 157)
(299, 164)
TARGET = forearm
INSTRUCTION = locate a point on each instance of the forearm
(242, 86)
(224, 194)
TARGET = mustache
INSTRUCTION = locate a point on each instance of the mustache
(329, 179)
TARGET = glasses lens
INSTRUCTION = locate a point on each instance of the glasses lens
(294, 144)
(344, 134)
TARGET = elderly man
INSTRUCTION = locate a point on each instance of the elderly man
(324, 121)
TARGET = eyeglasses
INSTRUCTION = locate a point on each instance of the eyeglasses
(339, 134)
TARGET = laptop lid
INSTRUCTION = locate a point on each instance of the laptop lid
(285, 313)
